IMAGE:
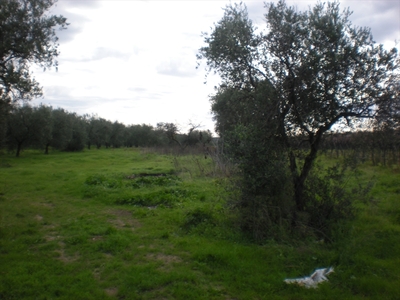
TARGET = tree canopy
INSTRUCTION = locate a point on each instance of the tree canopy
(28, 35)
(324, 69)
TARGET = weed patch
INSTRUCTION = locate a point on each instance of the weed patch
(148, 180)
(167, 198)
(103, 181)
(196, 217)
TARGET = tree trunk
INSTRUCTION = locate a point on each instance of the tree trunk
(300, 179)
(46, 149)
(19, 147)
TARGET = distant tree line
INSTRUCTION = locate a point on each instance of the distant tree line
(381, 145)
(43, 127)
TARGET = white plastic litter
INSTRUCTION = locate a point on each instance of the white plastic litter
(313, 280)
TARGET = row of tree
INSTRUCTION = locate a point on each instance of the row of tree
(43, 127)
(379, 146)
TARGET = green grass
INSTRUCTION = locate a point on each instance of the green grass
(96, 225)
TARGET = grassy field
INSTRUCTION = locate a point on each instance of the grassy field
(124, 224)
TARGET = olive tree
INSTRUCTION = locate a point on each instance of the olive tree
(174, 135)
(100, 132)
(141, 136)
(28, 127)
(61, 130)
(79, 133)
(117, 135)
(308, 71)
(27, 35)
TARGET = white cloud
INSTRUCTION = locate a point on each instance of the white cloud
(177, 67)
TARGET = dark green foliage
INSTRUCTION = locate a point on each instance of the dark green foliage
(196, 217)
(184, 140)
(103, 181)
(28, 126)
(126, 189)
(143, 136)
(41, 127)
(145, 180)
(264, 189)
(329, 201)
(61, 130)
(166, 197)
(99, 132)
(46, 128)
(117, 134)
(132, 181)
(79, 134)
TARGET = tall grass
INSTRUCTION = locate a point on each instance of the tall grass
(131, 224)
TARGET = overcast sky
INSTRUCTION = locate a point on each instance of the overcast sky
(135, 61)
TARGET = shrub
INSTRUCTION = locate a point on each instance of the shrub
(166, 197)
(196, 217)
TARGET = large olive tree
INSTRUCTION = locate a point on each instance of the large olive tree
(308, 71)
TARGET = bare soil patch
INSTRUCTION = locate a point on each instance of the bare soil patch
(112, 292)
(63, 256)
(123, 219)
(166, 260)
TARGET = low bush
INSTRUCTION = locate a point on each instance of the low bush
(197, 216)
(165, 197)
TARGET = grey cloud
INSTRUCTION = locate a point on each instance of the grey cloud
(76, 23)
(381, 16)
(61, 96)
(76, 20)
(99, 54)
(56, 92)
(78, 3)
(256, 9)
(177, 68)
(256, 12)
